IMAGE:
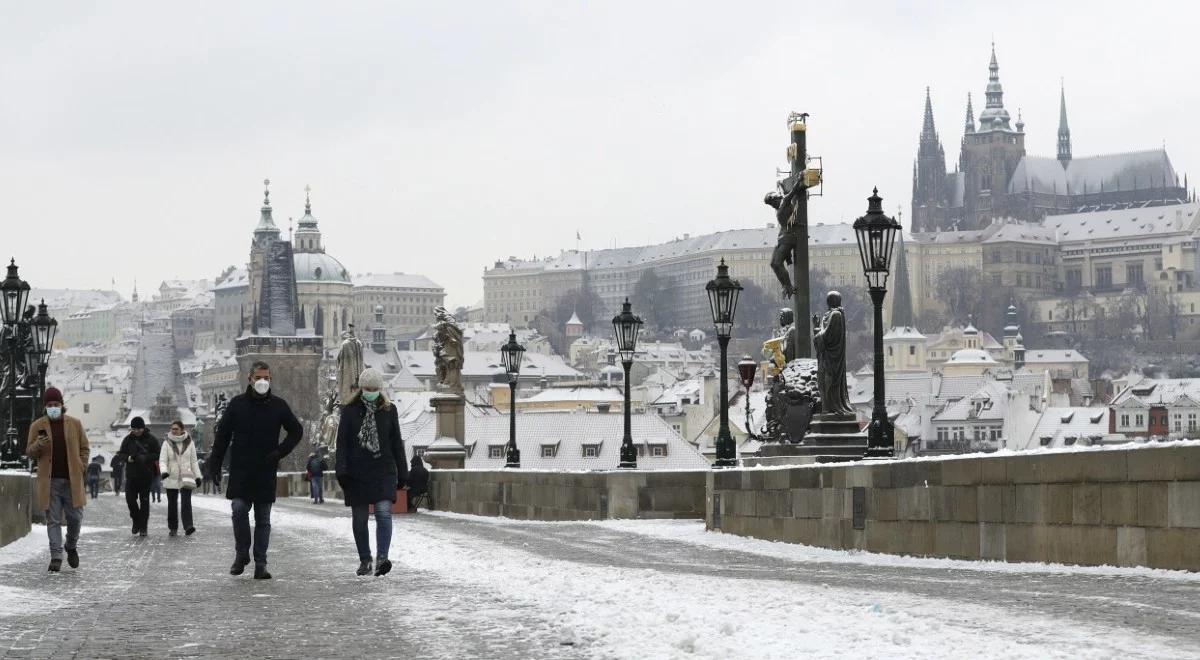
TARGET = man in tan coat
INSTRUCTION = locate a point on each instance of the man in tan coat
(59, 445)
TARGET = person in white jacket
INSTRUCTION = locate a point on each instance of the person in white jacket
(180, 475)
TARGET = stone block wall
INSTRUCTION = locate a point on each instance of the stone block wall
(529, 495)
(1121, 507)
(16, 505)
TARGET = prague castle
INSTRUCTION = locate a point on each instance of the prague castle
(995, 177)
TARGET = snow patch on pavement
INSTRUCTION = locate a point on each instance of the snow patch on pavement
(621, 612)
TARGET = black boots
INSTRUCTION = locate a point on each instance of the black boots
(382, 567)
(55, 565)
(239, 565)
(260, 572)
(72, 558)
(364, 568)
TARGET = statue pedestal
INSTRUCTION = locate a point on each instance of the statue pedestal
(447, 451)
(830, 438)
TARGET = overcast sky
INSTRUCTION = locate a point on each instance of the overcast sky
(438, 137)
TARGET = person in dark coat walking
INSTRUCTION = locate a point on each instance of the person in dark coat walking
(139, 453)
(118, 476)
(251, 426)
(93, 476)
(316, 475)
(418, 483)
(371, 467)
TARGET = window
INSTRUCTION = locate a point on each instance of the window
(87, 408)
(1104, 277)
(996, 279)
(548, 451)
(1191, 421)
(658, 450)
(1133, 273)
(1139, 419)
(496, 451)
(912, 350)
(889, 351)
(1178, 422)
(591, 451)
(1124, 420)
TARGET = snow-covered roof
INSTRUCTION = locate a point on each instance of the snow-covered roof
(567, 433)
(1135, 170)
(571, 394)
(1123, 223)
(396, 281)
(1020, 232)
(239, 278)
(1160, 391)
(984, 404)
(1052, 356)
(904, 332)
(480, 364)
(971, 356)
(1057, 425)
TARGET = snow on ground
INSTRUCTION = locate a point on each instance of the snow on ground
(621, 612)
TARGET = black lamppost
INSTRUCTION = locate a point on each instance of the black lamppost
(511, 354)
(14, 294)
(627, 325)
(722, 302)
(746, 369)
(876, 234)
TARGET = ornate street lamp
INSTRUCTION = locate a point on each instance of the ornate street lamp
(722, 302)
(626, 326)
(746, 369)
(14, 292)
(511, 354)
(44, 328)
(876, 234)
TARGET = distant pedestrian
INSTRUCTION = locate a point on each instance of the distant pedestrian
(93, 476)
(118, 475)
(180, 472)
(251, 425)
(60, 446)
(139, 453)
(156, 486)
(418, 483)
(316, 474)
(371, 467)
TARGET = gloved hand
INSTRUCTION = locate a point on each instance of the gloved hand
(163, 476)
(401, 483)
(342, 481)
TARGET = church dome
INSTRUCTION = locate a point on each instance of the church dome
(319, 267)
(971, 356)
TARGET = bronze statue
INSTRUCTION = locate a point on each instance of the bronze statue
(349, 365)
(785, 216)
(448, 351)
(830, 344)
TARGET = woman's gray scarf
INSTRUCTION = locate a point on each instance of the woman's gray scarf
(368, 435)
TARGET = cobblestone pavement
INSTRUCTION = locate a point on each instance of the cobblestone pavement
(173, 597)
(163, 597)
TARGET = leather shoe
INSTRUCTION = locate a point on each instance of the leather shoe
(239, 565)
(260, 572)
(364, 568)
(383, 567)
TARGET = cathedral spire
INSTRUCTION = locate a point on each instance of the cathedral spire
(266, 224)
(970, 126)
(928, 129)
(1064, 133)
(994, 116)
(902, 308)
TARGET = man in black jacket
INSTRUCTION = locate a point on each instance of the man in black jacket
(251, 425)
(139, 454)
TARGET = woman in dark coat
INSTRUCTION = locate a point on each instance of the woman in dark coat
(371, 467)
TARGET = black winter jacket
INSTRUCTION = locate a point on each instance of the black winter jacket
(251, 424)
(418, 478)
(364, 478)
(139, 456)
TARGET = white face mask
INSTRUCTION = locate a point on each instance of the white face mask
(262, 386)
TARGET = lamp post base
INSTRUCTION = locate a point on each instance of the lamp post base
(628, 456)
(881, 441)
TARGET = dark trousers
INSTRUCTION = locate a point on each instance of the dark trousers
(118, 480)
(93, 484)
(137, 496)
(174, 495)
(241, 529)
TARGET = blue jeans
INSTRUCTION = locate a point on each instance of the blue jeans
(317, 488)
(61, 506)
(241, 529)
(383, 529)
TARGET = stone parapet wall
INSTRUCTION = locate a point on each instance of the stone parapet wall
(1122, 507)
(16, 505)
(529, 495)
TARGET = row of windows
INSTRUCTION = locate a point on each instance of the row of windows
(588, 451)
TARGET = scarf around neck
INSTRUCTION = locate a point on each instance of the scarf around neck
(368, 435)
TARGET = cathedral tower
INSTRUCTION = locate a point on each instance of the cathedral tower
(989, 157)
(1064, 133)
(929, 177)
